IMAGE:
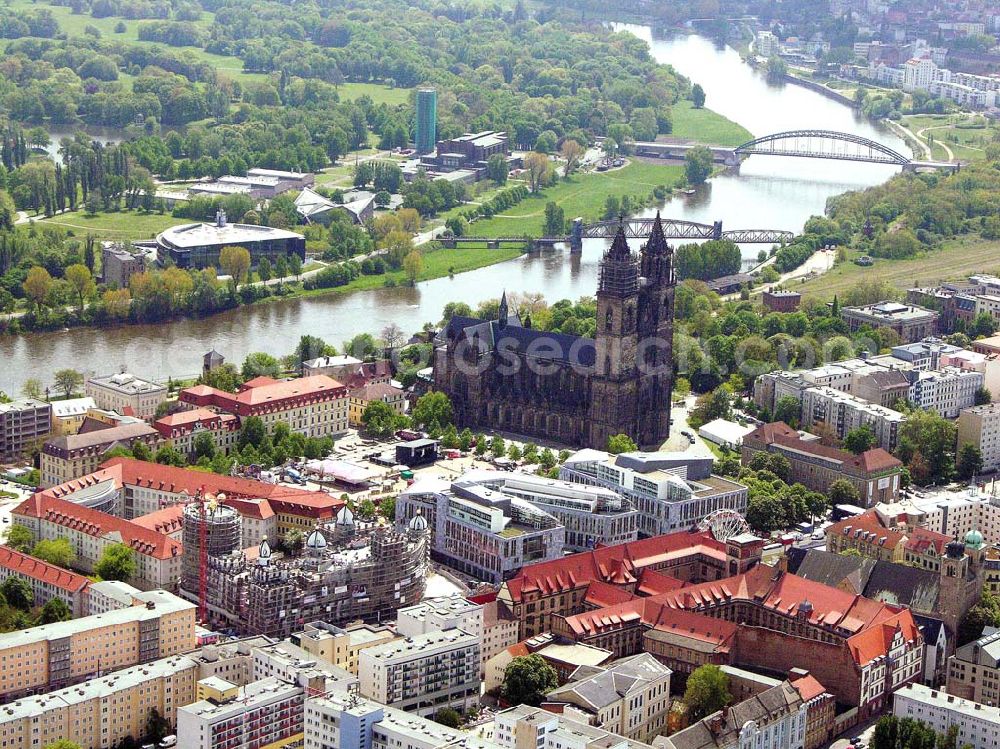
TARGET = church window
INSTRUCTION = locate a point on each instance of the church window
(607, 320)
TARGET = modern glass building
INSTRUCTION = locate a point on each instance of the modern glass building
(426, 120)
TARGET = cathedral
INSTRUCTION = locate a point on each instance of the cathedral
(502, 374)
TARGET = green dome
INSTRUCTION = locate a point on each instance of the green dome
(973, 538)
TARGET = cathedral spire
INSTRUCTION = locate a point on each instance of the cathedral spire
(619, 270)
(657, 242)
(503, 312)
(619, 249)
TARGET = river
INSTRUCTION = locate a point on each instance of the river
(768, 192)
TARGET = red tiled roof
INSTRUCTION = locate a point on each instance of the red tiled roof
(921, 540)
(41, 570)
(808, 687)
(652, 583)
(257, 382)
(262, 391)
(601, 594)
(187, 420)
(168, 520)
(259, 509)
(620, 564)
(866, 527)
(98, 524)
(875, 641)
(375, 390)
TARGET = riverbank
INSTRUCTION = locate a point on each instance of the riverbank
(819, 88)
(956, 259)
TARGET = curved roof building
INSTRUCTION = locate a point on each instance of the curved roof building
(199, 245)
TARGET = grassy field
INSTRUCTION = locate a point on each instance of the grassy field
(121, 225)
(706, 126)
(956, 259)
(580, 195)
(437, 264)
(377, 92)
(959, 132)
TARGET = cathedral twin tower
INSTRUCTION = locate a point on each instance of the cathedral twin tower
(501, 374)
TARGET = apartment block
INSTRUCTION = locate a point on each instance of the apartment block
(126, 394)
(525, 727)
(974, 669)
(670, 491)
(841, 413)
(980, 426)
(424, 673)
(119, 263)
(90, 532)
(339, 645)
(316, 406)
(629, 697)
(439, 614)
(263, 713)
(56, 655)
(24, 423)
(47, 581)
(103, 711)
(946, 391)
(478, 528)
(978, 725)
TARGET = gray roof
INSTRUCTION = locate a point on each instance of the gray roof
(722, 728)
(596, 687)
(540, 344)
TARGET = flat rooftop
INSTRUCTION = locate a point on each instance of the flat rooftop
(190, 236)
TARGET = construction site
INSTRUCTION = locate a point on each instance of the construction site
(348, 571)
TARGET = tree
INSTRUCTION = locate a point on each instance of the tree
(259, 364)
(392, 336)
(204, 445)
(983, 396)
(986, 613)
(448, 716)
(20, 538)
(170, 456)
(57, 551)
(621, 443)
(157, 726)
(497, 168)
(413, 265)
(32, 388)
(860, 440)
(54, 610)
(36, 286)
(387, 508)
(82, 281)
(432, 411)
(571, 152)
(264, 270)
(117, 562)
(969, 462)
(697, 96)
(843, 492)
(62, 744)
(17, 593)
(788, 409)
(698, 165)
(527, 679)
(707, 691)
(252, 432)
(927, 445)
(537, 166)
(380, 419)
(235, 262)
(498, 447)
(555, 220)
(68, 380)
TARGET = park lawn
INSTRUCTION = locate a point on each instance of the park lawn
(580, 195)
(706, 126)
(120, 225)
(957, 258)
(378, 93)
(437, 264)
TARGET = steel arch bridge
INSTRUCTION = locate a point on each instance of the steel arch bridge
(823, 144)
(641, 228)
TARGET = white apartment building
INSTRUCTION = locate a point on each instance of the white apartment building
(439, 614)
(842, 412)
(766, 44)
(946, 391)
(980, 426)
(424, 673)
(978, 725)
(630, 697)
(671, 491)
(126, 394)
(965, 96)
(226, 716)
(918, 73)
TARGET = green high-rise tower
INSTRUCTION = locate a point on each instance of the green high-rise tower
(426, 120)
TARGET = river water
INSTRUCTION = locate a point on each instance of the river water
(768, 192)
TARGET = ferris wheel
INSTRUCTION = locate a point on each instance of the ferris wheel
(724, 524)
